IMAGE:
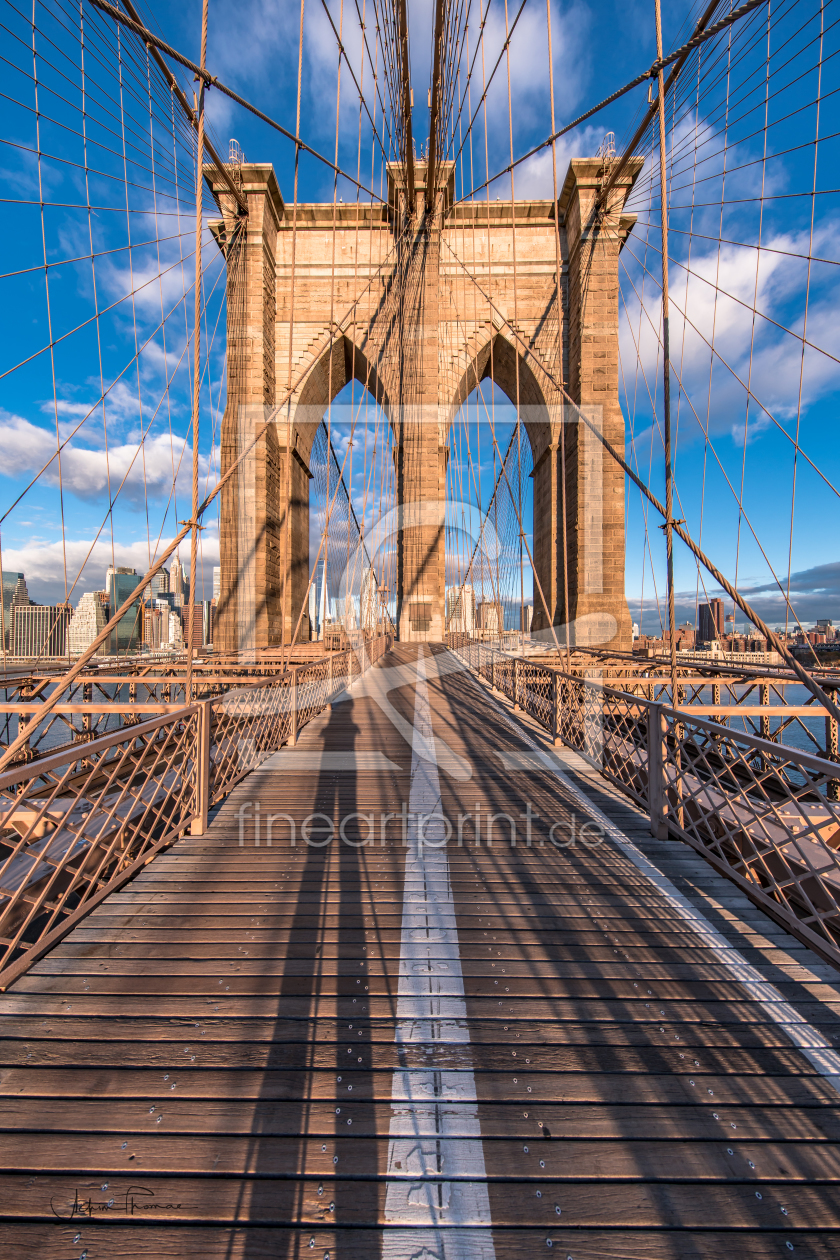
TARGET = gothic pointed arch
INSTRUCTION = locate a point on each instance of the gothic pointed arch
(493, 356)
(329, 372)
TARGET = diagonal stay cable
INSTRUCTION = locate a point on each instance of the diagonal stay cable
(211, 81)
(343, 52)
(781, 647)
(337, 330)
(483, 97)
(99, 401)
(748, 390)
(651, 73)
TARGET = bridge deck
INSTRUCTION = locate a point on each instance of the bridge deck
(406, 1050)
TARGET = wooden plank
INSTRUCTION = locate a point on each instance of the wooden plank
(613, 983)
(386, 1056)
(498, 1120)
(560, 1162)
(360, 1203)
(364, 1086)
(685, 1013)
(110, 1236)
(25, 1033)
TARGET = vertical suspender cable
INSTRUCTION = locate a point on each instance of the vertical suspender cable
(561, 319)
(288, 457)
(199, 188)
(666, 364)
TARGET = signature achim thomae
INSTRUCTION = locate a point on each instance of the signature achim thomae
(135, 1199)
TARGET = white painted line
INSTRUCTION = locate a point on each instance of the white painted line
(814, 1046)
(431, 1009)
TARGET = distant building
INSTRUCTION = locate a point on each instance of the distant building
(128, 632)
(217, 583)
(491, 616)
(712, 625)
(685, 637)
(21, 599)
(319, 613)
(158, 586)
(40, 629)
(526, 616)
(369, 602)
(178, 584)
(313, 611)
(460, 609)
(191, 615)
(89, 619)
(12, 582)
(209, 613)
(635, 630)
(176, 633)
(155, 625)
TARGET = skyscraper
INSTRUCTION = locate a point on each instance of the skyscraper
(128, 632)
(87, 621)
(158, 586)
(711, 621)
(10, 587)
(39, 630)
(491, 616)
(369, 602)
(178, 584)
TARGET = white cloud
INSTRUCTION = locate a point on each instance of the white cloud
(534, 178)
(85, 470)
(717, 296)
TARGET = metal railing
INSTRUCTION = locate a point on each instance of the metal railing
(764, 813)
(758, 698)
(113, 693)
(77, 825)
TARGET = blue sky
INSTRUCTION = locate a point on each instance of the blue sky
(597, 46)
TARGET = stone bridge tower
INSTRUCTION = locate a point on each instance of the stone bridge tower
(421, 309)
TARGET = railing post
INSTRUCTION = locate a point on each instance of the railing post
(493, 673)
(833, 786)
(130, 719)
(293, 699)
(516, 683)
(657, 795)
(198, 826)
(330, 685)
(555, 710)
(764, 701)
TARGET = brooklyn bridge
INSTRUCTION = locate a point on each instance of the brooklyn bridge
(404, 854)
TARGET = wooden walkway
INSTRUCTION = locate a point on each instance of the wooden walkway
(423, 1051)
